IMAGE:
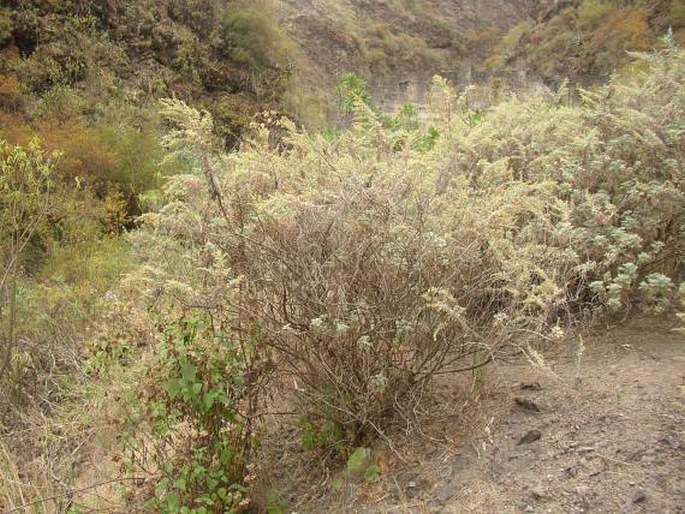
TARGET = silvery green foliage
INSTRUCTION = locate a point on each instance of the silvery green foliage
(370, 261)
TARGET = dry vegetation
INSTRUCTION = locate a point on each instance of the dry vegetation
(586, 40)
(328, 277)
(169, 308)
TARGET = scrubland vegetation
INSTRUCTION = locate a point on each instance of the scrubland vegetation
(587, 40)
(179, 273)
(327, 275)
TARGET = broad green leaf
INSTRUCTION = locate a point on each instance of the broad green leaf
(173, 388)
(358, 460)
(188, 372)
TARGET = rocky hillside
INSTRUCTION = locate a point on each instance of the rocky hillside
(238, 58)
(224, 55)
(586, 40)
(381, 37)
(392, 43)
(393, 40)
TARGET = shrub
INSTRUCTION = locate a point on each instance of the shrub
(26, 202)
(508, 46)
(592, 13)
(11, 98)
(195, 393)
(615, 162)
(372, 261)
(366, 282)
(677, 15)
(6, 27)
(249, 37)
(389, 50)
(56, 265)
(625, 30)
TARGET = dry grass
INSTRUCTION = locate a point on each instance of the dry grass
(18, 490)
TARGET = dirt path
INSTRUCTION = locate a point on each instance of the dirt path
(608, 439)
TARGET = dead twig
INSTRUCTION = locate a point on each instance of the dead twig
(72, 492)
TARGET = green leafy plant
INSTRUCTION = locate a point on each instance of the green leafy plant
(26, 201)
(195, 398)
(351, 90)
(361, 463)
(658, 290)
(322, 434)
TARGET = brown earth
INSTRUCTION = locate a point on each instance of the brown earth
(605, 433)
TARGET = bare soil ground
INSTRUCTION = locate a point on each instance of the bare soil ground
(607, 435)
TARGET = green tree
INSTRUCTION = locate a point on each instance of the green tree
(351, 90)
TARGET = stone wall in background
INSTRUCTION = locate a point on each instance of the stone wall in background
(390, 94)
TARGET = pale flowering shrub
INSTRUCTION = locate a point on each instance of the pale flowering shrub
(372, 260)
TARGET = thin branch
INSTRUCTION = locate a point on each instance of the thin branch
(71, 493)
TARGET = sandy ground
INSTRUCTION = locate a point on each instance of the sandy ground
(607, 435)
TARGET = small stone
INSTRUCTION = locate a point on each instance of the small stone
(528, 509)
(671, 443)
(446, 473)
(530, 386)
(582, 490)
(444, 493)
(639, 497)
(539, 493)
(530, 437)
(527, 404)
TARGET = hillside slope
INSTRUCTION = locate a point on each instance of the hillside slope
(239, 58)
(394, 39)
(586, 40)
(390, 37)
(235, 58)
(224, 55)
